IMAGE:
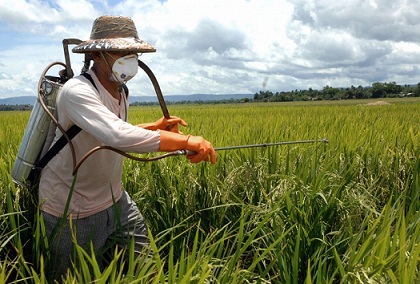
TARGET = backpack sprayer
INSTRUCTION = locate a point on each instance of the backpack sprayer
(40, 130)
(42, 124)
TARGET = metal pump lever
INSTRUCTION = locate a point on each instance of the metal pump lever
(155, 83)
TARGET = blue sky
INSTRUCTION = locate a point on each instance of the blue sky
(225, 46)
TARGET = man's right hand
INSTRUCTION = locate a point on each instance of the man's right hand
(202, 149)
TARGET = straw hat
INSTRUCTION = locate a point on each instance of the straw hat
(114, 33)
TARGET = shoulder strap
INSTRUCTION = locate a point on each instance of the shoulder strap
(87, 76)
(61, 142)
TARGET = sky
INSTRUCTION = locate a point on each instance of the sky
(224, 46)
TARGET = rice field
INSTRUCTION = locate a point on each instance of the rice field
(347, 211)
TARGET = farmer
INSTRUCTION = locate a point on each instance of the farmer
(98, 207)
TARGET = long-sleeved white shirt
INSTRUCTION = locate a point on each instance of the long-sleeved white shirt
(102, 119)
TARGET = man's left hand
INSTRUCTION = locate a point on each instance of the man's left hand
(169, 124)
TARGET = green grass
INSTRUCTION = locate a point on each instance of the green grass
(343, 212)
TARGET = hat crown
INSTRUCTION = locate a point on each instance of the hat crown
(113, 27)
(114, 33)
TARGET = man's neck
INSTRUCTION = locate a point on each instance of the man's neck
(111, 86)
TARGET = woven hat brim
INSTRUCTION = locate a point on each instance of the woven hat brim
(114, 44)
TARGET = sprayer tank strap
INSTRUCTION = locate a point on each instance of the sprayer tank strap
(87, 76)
(71, 133)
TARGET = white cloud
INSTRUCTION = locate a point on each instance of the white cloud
(225, 46)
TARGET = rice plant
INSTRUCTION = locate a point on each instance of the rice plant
(343, 212)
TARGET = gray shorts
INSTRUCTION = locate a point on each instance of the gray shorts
(120, 225)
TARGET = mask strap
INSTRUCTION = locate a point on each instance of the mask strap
(106, 61)
(112, 72)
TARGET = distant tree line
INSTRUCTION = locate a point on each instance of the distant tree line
(198, 102)
(4, 107)
(377, 90)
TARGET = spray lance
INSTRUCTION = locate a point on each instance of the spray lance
(165, 112)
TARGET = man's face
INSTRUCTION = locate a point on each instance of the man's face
(106, 60)
(125, 67)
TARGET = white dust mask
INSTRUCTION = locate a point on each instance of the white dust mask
(125, 68)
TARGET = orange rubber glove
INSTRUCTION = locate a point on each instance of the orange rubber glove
(164, 124)
(203, 150)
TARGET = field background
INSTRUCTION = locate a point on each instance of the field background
(343, 212)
